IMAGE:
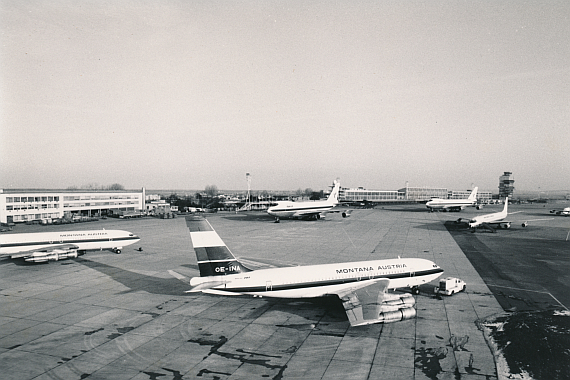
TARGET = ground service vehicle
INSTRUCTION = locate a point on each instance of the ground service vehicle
(450, 285)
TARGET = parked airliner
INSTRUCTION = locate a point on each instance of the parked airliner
(494, 219)
(52, 246)
(361, 286)
(452, 204)
(306, 210)
(564, 212)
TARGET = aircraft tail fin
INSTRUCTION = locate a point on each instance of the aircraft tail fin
(473, 195)
(334, 193)
(506, 204)
(214, 257)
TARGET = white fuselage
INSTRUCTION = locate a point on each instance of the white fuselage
(84, 240)
(449, 203)
(488, 218)
(320, 280)
(288, 209)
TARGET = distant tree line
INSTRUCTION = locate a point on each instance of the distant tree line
(94, 186)
(210, 198)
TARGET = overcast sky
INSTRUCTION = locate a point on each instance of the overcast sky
(185, 94)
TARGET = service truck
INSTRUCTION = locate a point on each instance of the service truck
(450, 285)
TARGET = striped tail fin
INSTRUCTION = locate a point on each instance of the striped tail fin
(214, 257)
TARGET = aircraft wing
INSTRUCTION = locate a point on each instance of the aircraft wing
(257, 263)
(311, 213)
(51, 248)
(363, 301)
(498, 222)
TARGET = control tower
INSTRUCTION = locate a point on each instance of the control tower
(506, 187)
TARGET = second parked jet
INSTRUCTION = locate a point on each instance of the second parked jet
(306, 210)
(452, 204)
(494, 219)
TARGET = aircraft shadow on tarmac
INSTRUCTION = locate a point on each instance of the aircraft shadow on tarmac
(250, 217)
(419, 208)
(436, 225)
(21, 262)
(312, 309)
(136, 281)
(262, 217)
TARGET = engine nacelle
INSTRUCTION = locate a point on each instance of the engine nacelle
(68, 255)
(398, 301)
(36, 259)
(396, 315)
(345, 214)
(524, 224)
(42, 257)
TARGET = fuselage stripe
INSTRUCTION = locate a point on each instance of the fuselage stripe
(69, 241)
(301, 208)
(338, 281)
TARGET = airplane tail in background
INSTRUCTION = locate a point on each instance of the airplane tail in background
(473, 195)
(334, 193)
(214, 257)
(506, 205)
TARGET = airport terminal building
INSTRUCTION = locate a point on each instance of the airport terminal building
(408, 194)
(43, 206)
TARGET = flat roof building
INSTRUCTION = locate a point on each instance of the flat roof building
(408, 194)
(419, 194)
(361, 194)
(30, 205)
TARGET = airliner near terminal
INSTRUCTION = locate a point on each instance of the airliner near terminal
(361, 286)
(306, 210)
(452, 204)
(52, 246)
(494, 219)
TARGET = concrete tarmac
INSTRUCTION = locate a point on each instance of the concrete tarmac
(109, 316)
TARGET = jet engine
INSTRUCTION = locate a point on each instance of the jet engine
(397, 307)
(524, 224)
(397, 315)
(397, 301)
(42, 257)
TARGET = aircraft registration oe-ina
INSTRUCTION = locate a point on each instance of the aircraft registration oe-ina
(452, 204)
(307, 210)
(361, 286)
(41, 247)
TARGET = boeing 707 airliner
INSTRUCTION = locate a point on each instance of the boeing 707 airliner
(361, 286)
(452, 204)
(306, 210)
(52, 246)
